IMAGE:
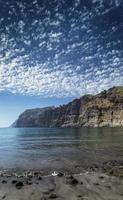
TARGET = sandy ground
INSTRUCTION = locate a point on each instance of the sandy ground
(85, 186)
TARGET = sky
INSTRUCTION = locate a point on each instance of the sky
(52, 51)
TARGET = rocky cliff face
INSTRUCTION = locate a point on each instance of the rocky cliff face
(104, 109)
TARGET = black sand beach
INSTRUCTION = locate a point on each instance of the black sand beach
(105, 183)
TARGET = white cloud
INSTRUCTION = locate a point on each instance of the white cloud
(117, 2)
(44, 59)
(43, 81)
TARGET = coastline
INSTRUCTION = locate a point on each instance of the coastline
(88, 164)
(105, 182)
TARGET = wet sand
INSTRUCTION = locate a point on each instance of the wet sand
(96, 184)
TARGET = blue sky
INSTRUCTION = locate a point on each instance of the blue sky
(52, 51)
(11, 105)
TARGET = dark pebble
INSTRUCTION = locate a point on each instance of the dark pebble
(14, 181)
(3, 181)
(36, 173)
(71, 180)
(111, 172)
(101, 177)
(60, 174)
(74, 181)
(96, 184)
(29, 182)
(79, 195)
(39, 178)
(4, 197)
(52, 196)
(19, 185)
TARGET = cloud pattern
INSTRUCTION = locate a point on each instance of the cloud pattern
(60, 48)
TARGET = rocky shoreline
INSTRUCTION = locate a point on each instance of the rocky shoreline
(113, 167)
(97, 182)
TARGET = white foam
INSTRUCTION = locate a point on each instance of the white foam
(54, 173)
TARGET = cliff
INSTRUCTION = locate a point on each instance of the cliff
(104, 109)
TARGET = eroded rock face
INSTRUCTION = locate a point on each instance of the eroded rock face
(104, 109)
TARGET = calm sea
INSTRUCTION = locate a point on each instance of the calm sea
(58, 148)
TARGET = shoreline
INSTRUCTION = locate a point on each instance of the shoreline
(97, 183)
(112, 167)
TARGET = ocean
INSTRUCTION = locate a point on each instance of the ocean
(50, 149)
